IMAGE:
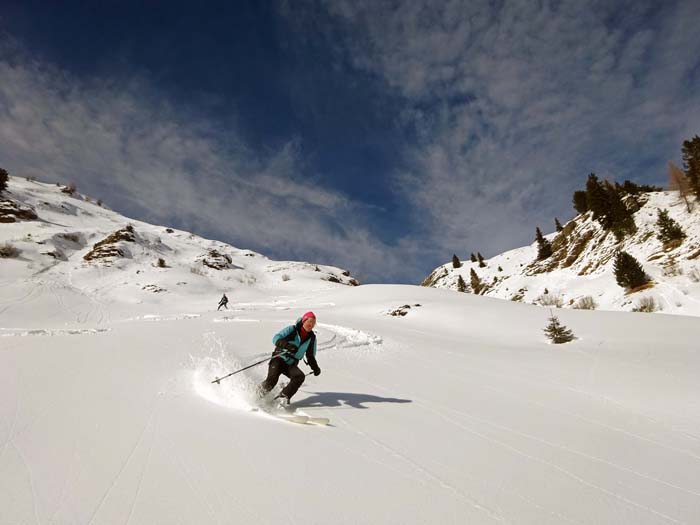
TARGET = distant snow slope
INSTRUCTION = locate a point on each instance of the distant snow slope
(124, 267)
(582, 264)
(457, 412)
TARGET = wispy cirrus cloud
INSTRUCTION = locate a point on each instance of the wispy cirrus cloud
(118, 140)
(511, 104)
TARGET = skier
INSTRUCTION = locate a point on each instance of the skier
(223, 302)
(292, 344)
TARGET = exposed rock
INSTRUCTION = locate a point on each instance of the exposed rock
(11, 211)
(107, 247)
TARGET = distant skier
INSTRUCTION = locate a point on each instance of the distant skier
(292, 344)
(223, 302)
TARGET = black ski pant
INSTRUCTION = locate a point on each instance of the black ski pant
(278, 367)
(220, 305)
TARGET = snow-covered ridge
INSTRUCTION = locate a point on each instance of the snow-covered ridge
(581, 265)
(69, 241)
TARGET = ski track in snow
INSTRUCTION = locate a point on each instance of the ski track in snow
(450, 420)
(417, 467)
(510, 378)
(22, 300)
(30, 475)
(497, 488)
(126, 462)
(594, 396)
(25, 332)
(187, 477)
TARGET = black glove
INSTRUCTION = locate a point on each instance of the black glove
(290, 347)
(317, 371)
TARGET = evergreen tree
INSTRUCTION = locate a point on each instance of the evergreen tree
(4, 177)
(472, 258)
(456, 262)
(482, 264)
(544, 247)
(628, 271)
(617, 218)
(580, 201)
(461, 285)
(475, 281)
(557, 332)
(596, 199)
(691, 163)
(558, 225)
(669, 230)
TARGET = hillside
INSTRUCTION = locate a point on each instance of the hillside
(459, 411)
(582, 264)
(71, 247)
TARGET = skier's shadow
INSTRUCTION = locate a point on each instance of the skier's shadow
(337, 399)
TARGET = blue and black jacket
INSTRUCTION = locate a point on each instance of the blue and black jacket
(291, 350)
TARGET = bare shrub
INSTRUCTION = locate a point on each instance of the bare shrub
(678, 181)
(197, 271)
(647, 304)
(8, 251)
(673, 269)
(70, 189)
(286, 277)
(694, 275)
(549, 299)
(585, 303)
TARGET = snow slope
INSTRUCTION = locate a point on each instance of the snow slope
(582, 264)
(458, 412)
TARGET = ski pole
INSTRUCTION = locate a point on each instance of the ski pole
(218, 379)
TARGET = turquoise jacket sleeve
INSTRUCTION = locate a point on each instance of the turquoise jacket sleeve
(282, 334)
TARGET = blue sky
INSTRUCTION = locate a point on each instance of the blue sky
(381, 137)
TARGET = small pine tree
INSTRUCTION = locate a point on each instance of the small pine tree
(500, 269)
(475, 281)
(597, 199)
(544, 247)
(669, 230)
(628, 271)
(558, 225)
(472, 258)
(461, 285)
(580, 201)
(4, 178)
(482, 264)
(617, 218)
(456, 262)
(557, 332)
(691, 163)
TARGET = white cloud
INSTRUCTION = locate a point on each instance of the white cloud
(122, 142)
(513, 103)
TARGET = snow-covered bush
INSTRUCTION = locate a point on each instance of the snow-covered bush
(585, 303)
(8, 251)
(197, 271)
(549, 299)
(286, 277)
(647, 304)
